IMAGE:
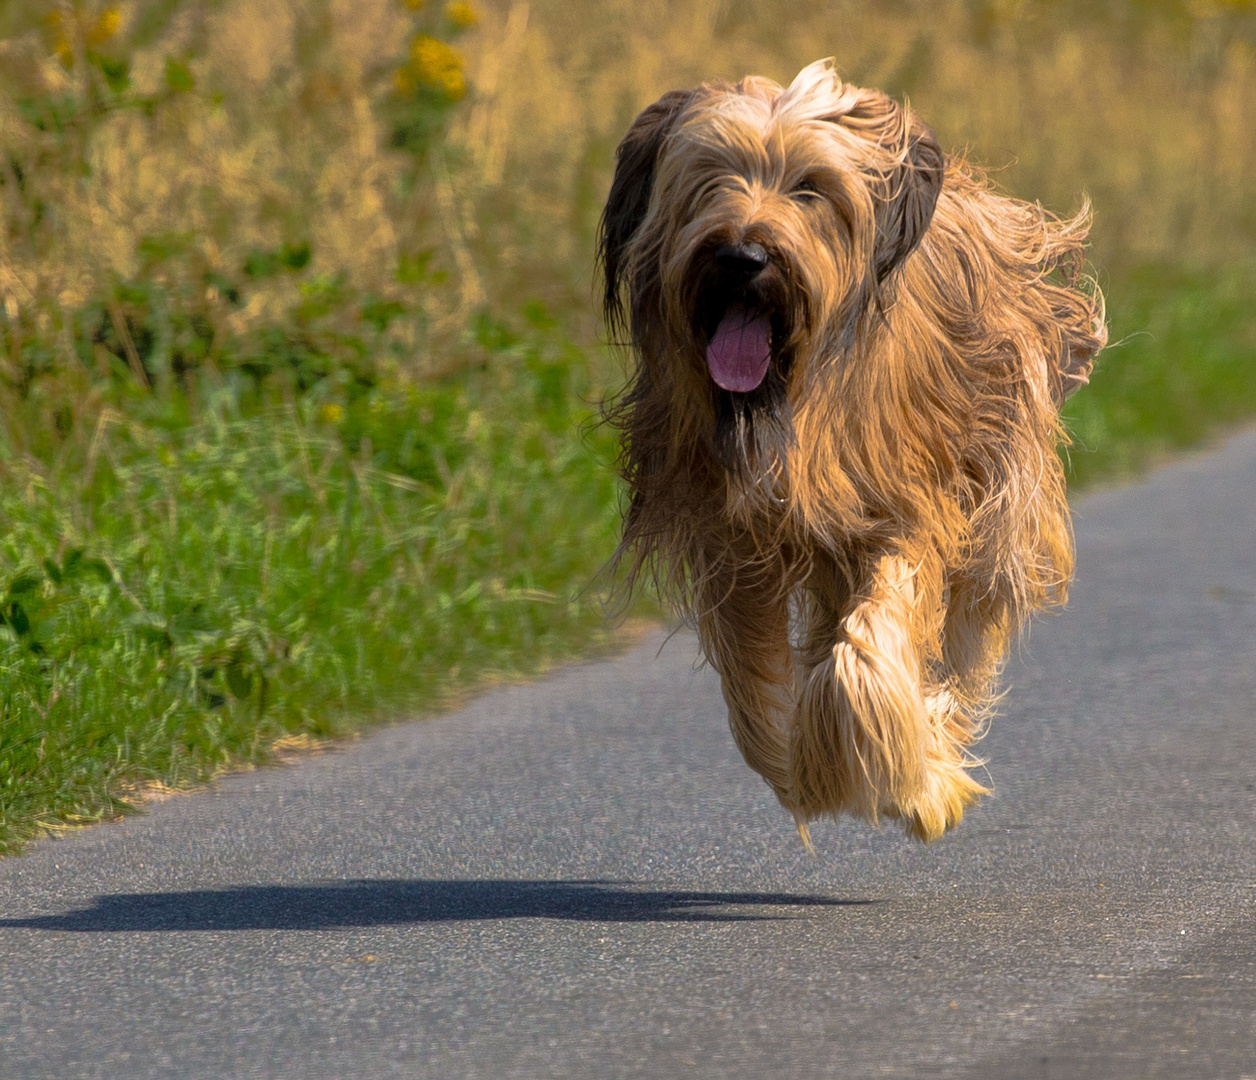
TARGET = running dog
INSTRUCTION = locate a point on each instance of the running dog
(840, 435)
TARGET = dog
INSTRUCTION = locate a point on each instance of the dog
(839, 438)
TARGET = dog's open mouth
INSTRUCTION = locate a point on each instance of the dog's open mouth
(740, 349)
(748, 355)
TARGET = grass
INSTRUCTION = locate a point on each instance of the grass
(299, 368)
(184, 593)
(179, 596)
(1182, 367)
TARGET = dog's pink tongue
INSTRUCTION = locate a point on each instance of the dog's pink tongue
(739, 351)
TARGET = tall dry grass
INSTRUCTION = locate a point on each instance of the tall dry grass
(285, 132)
(203, 172)
(1147, 107)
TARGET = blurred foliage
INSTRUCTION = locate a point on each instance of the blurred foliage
(184, 184)
(1147, 106)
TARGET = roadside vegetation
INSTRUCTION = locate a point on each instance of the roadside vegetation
(299, 366)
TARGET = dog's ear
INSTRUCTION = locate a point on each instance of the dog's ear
(914, 197)
(629, 197)
(911, 183)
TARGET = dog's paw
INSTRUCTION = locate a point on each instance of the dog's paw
(946, 792)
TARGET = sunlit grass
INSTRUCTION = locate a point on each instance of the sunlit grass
(178, 598)
(1182, 368)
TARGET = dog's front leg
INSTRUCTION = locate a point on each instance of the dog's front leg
(869, 737)
(744, 627)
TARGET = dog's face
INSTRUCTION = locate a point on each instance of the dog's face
(753, 226)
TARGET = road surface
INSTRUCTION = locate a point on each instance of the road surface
(579, 878)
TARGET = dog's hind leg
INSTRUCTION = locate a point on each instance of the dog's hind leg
(870, 736)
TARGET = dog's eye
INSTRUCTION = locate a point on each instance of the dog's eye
(805, 188)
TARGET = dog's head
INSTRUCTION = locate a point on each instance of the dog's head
(750, 226)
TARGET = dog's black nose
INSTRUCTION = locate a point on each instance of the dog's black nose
(742, 261)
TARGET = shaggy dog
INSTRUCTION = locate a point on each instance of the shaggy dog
(840, 435)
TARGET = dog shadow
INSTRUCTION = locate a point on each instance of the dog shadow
(364, 903)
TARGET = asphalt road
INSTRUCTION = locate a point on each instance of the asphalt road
(579, 878)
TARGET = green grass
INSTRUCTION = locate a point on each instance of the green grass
(184, 584)
(181, 592)
(1182, 367)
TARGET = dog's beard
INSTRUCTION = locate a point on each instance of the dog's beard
(753, 431)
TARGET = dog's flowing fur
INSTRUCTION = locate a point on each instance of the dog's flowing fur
(858, 539)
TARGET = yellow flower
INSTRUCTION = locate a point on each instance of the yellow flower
(106, 26)
(437, 64)
(461, 14)
(332, 413)
(414, 5)
(60, 38)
